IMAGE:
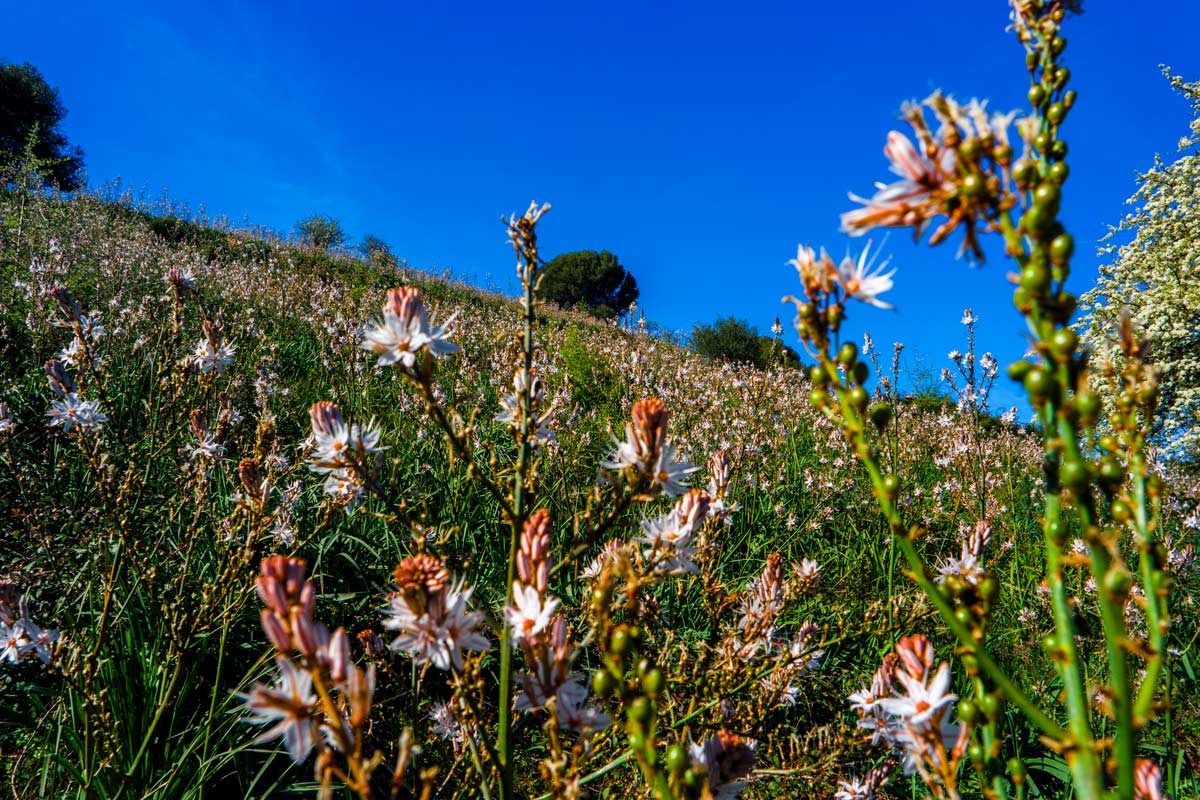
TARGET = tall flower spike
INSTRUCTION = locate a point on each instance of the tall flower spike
(645, 449)
(430, 614)
(533, 555)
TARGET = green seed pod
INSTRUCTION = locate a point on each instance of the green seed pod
(881, 415)
(1042, 141)
(653, 682)
(858, 398)
(836, 315)
(620, 642)
(1109, 443)
(963, 615)
(970, 149)
(1034, 276)
(1062, 247)
(1120, 511)
(603, 683)
(1037, 96)
(641, 710)
(1087, 404)
(1036, 220)
(973, 185)
(1111, 473)
(1063, 344)
(677, 759)
(1073, 474)
(1040, 384)
(1025, 173)
(1069, 97)
(968, 712)
(1057, 45)
(976, 754)
(1019, 369)
(1059, 172)
(1016, 770)
(990, 705)
(1058, 150)
(1056, 112)
(818, 375)
(637, 741)
(1003, 153)
(1061, 76)
(989, 588)
(848, 354)
(819, 398)
(1047, 194)
(1056, 532)
(1023, 300)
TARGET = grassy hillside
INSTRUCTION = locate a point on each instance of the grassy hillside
(140, 540)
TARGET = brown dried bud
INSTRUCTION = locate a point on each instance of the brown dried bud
(916, 653)
(649, 430)
(421, 574)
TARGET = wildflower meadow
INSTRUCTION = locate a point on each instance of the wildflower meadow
(283, 521)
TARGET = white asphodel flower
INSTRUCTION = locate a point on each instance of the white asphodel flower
(405, 330)
(863, 280)
(529, 615)
(921, 701)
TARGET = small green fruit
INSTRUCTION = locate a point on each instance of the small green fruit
(641, 710)
(677, 760)
(653, 682)
(1073, 474)
(603, 683)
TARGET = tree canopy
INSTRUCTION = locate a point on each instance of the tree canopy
(29, 106)
(738, 341)
(1155, 273)
(595, 282)
(321, 231)
(377, 251)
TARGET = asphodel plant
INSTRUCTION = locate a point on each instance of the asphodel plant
(962, 175)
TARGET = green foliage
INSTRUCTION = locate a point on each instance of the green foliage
(321, 231)
(594, 282)
(728, 338)
(31, 111)
(377, 251)
(738, 341)
(1156, 275)
(593, 384)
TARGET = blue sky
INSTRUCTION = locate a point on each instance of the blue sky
(701, 142)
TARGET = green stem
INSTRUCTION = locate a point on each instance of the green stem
(520, 502)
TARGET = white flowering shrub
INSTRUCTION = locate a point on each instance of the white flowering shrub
(1152, 274)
